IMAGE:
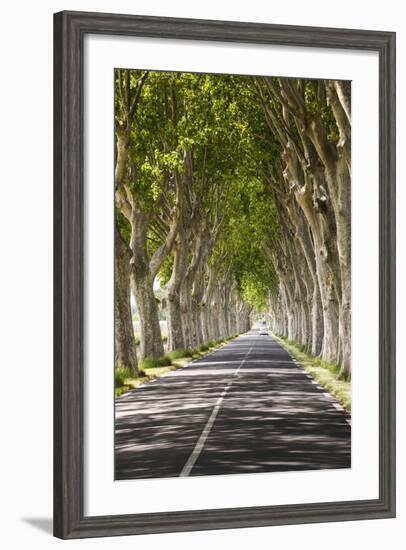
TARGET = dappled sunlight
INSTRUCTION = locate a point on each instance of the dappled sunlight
(272, 417)
(230, 209)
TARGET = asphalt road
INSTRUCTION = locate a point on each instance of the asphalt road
(246, 407)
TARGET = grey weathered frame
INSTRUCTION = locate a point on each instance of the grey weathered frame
(69, 31)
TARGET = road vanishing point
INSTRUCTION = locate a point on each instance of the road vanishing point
(247, 407)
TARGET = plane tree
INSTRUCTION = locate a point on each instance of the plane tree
(146, 188)
(235, 193)
(311, 122)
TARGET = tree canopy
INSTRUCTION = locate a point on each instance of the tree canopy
(234, 192)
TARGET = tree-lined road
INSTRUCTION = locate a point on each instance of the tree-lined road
(247, 407)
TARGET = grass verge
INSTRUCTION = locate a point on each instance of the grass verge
(325, 374)
(152, 368)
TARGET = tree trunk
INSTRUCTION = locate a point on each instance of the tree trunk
(174, 316)
(143, 288)
(176, 338)
(197, 303)
(147, 307)
(337, 166)
(344, 253)
(206, 310)
(125, 349)
(186, 312)
(206, 335)
(317, 322)
(324, 236)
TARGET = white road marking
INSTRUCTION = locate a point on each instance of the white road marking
(242, 362)
(336, 405)
(205, 433)
(330, 397)
(266, 361)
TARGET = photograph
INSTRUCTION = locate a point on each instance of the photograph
(232, 274)
(205, 354)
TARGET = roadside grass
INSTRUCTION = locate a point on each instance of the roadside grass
(325, 374)
(123, 378)
(152, 368)
(120, 376)
(137, 339)
(149, 363)
(179, 354)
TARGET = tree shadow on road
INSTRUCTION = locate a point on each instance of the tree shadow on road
(272, 419)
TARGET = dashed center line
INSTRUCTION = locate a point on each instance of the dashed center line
(205, 433)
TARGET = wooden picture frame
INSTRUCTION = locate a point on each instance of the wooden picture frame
(70, 29)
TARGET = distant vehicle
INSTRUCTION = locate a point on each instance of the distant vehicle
(263, 329)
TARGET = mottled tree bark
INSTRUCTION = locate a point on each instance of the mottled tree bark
(322, 226)
(174, 314)
(197, 304)
(143, 288)
(336, 161)
(125, 349)
(318, 171)
(206, 314)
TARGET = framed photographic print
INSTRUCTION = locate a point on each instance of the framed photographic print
(224, 275)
